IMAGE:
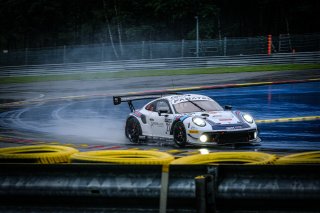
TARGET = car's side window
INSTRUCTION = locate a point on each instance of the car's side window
(163, 104)
(151, 107)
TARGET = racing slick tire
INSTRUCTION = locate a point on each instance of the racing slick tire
(179, 134)
(133, 130)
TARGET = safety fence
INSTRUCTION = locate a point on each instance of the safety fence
(284, 43)
(139, 188)
(137, 180)
(161, 64)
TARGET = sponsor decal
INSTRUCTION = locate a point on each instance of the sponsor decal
(157, 124)
(193, 131)
(168, 120)
(185, 98)
(238, 127)
(225, 119)
(168, 123)
(231, 127)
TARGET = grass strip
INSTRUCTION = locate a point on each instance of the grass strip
(145, 73)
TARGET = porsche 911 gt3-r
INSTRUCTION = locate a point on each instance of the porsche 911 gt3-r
(187, 119)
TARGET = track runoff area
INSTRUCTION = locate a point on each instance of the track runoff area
(176, 152)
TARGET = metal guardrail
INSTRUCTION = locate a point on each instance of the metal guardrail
(133, 188)
(160, 64)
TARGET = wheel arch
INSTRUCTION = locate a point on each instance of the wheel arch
(173, 123)
(136, 118)
(181, 119)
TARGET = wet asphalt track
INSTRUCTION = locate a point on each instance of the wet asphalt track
(97, 122)
(278, 101)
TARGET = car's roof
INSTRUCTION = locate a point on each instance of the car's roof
(174, 99)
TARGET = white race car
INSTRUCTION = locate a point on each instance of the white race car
(187, 119)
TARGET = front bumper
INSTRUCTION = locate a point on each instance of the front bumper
(227, 137)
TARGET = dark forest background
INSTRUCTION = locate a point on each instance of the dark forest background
(43, 23)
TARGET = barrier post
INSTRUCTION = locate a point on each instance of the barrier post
(64, 54)
(26, 56)
(150, 50)
(164, 188)
(269, 44)
(225, 46)
(205, 195)
(142, 50)
(102, 52)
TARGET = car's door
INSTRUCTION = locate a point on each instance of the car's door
(149, 112)
(161, 119)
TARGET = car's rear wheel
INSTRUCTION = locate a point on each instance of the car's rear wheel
(133, 130)
(179, 134)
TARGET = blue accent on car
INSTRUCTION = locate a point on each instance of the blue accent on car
(184, 117)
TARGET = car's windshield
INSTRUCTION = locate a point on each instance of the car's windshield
(186, 107)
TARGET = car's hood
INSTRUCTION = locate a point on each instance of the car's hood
(219, 117)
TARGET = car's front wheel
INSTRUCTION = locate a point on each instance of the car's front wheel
(179, 134)
(133, 130)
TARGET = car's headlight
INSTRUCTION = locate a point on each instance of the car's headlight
(248, 118)
(199, 121)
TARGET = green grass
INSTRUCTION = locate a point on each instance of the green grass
(143, 73)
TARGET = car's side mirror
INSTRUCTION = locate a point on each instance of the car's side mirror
(163, 110)
(228, 107)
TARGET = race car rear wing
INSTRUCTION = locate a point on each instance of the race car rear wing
(129, 98)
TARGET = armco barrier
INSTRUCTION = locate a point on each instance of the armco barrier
(136, 188)
(160, 64)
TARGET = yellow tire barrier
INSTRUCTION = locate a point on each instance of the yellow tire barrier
(123, 157)
(300, 158)
(43, 154)
(253, 158)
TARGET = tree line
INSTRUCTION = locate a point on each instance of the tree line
(43, 23)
